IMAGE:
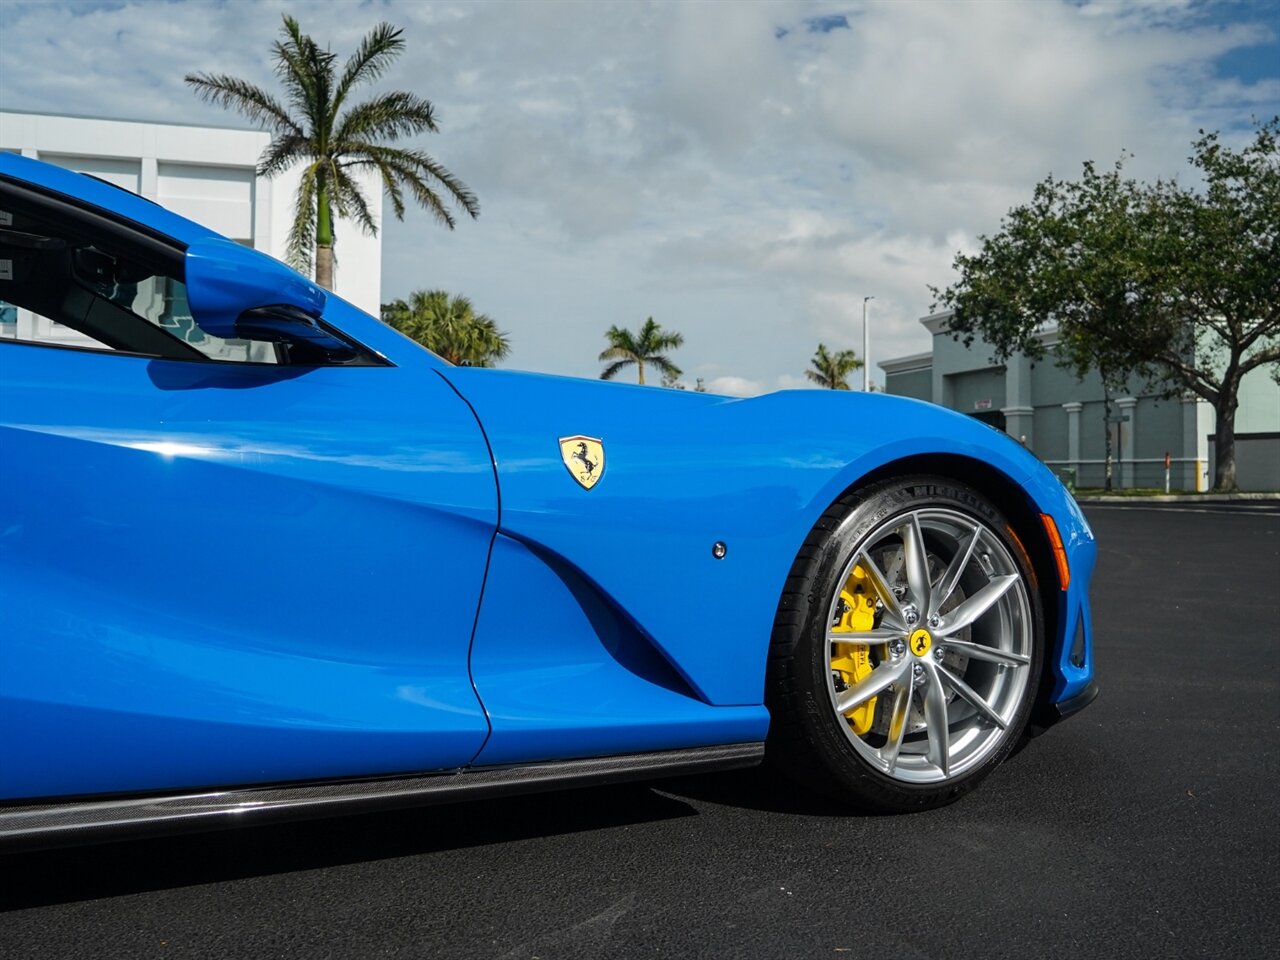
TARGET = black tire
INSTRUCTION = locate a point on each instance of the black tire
(892, 763)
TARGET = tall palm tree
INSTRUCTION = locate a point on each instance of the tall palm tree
(831, 370)
(649, 347)
(449, 327)
(335, 144)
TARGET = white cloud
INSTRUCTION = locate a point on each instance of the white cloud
(734, 386)
(684, 161)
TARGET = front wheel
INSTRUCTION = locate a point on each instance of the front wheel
(907, 647)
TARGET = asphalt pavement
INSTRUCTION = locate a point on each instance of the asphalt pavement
(1146, 826)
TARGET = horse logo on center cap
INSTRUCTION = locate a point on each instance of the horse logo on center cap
(921, 640)
(584, 458)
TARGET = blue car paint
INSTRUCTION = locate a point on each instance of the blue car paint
(1069, 679)
(564, 673)
(202, 581)
(683, 471)
(221, 274)
(129, 691)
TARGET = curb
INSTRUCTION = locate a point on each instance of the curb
(1180, 498)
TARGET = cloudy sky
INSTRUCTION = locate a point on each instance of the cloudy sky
(745, 173)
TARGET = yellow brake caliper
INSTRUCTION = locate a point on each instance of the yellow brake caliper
(852, 661)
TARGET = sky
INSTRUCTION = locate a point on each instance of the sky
(744, 173)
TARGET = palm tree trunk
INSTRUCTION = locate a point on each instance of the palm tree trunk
(640, 369)
(324, 238)
(324, 265)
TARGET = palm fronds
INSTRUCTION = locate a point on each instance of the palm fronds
(311, 127)
(448, 326)
(831, 370)
(648, 347)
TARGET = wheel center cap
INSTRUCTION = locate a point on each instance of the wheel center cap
(920, 642)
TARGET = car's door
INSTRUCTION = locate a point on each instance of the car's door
(216, 572)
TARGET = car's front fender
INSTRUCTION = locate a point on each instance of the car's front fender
(683, 472)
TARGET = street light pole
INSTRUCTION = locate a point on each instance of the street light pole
(866, 348)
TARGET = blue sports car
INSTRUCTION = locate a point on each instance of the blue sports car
(262, 556)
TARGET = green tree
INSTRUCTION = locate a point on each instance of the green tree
(831, 370)
(1217, 253)
(1073, 254)
(1178, 286)
(649, 346)
(335, 141)
(449, 327)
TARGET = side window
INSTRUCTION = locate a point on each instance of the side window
(65, 283)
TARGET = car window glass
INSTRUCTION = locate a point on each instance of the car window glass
(61, 286)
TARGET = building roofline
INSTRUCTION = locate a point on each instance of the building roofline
(916, 361)
(155, 123)
(941, 323)
(938, 322)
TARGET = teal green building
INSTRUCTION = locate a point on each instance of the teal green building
(1062, 420)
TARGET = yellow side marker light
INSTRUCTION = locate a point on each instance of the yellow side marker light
(1059, 551)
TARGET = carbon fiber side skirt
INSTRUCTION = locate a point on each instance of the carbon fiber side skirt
(43, 824)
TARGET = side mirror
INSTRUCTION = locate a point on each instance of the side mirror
(225, 279)
(238, 293)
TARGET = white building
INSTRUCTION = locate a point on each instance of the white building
(206, 174)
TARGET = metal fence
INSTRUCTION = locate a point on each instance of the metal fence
(1181, 473)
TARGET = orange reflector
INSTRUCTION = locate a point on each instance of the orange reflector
(1059, 551)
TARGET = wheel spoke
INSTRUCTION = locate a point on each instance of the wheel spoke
(891, 608)
(897, 725)
(924, 719)
(869, 686)
(976, 651)
(917, 562)
(976, 605)
(935, 719)
(866, 637)
(947, 585)
(969, 694)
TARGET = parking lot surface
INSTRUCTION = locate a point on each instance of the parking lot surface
(1147, 826)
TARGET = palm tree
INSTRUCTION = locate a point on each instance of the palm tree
(832, 370)
(649, 347)
(449, 327)
(335, 144)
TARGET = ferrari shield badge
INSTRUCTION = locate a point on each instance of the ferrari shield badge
(584, 456)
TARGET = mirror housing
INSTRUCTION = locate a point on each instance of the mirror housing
(304, 340)
(226, 280)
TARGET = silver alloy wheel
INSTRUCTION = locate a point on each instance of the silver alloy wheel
(949, 650)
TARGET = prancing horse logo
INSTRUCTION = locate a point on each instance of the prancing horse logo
(584, 458)
(921, 640)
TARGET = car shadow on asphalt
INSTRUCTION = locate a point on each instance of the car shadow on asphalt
(117, 869)
(760, 788)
